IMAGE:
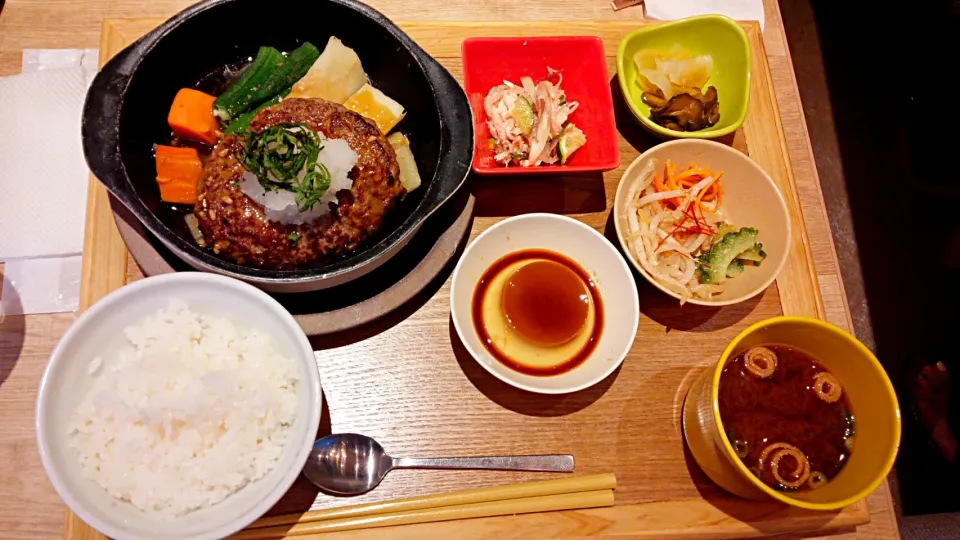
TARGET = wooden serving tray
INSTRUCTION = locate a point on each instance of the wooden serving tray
(413, 386)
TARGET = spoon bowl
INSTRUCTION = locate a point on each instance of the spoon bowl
(347, 464)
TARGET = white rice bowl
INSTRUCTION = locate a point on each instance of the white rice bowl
(272, 434)
(195, 409)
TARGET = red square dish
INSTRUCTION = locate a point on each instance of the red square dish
(487, 62)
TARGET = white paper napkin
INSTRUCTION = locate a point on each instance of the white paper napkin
(49, 284)
(43, 173)
(47, 59)
(738, 10)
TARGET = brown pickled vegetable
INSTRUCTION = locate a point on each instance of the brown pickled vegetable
(686, 111)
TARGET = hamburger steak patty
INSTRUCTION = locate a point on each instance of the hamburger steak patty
(236, 227)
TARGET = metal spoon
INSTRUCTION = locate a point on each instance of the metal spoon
(351, 464)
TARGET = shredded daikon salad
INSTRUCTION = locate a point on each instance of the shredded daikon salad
(674, 219)
(529, 122)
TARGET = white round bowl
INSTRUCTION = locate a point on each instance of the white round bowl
(750, 199)
(590, 250)
(99, 332)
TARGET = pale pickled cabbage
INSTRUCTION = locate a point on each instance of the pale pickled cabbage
(673, 71)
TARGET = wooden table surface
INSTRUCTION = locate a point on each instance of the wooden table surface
(31, 509)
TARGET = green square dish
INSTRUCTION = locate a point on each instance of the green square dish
(716, 35)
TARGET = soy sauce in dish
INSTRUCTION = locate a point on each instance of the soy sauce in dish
(546, 302)
(786, 417)
(538, 312)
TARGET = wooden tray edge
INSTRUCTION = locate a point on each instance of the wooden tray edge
(798, 284)
(104, 261)
(105, 269)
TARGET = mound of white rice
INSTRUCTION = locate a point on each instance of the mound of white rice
(192, 411)
(339, 159)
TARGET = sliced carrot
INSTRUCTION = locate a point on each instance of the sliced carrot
(689, 181)
(700, 196)
(178, 171)
(715, 190)
(671, 177)
(694, 170)
(191, 116)
(709, 193)
(686, 179)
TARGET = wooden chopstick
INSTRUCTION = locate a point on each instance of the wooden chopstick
(522, 490)
(548, 503)
(526, 497)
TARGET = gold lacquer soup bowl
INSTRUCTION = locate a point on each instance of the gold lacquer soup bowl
(868, 394)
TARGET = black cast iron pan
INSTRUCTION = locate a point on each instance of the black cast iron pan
(126, 108)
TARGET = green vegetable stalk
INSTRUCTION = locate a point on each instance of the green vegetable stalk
(268, 75)
(241, 123)
(236, 98)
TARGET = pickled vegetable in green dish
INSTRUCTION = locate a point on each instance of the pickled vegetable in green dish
(673, 84)
(687, 111)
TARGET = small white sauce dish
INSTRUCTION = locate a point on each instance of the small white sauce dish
(588, 248)
(99, 332)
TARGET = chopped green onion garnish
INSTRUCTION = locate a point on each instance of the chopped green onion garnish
(278, 155)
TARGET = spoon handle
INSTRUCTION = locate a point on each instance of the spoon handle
(548, 463)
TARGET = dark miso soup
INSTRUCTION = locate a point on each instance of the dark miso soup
(786, 417)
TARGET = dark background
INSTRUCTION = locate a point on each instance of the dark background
(876, 82)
